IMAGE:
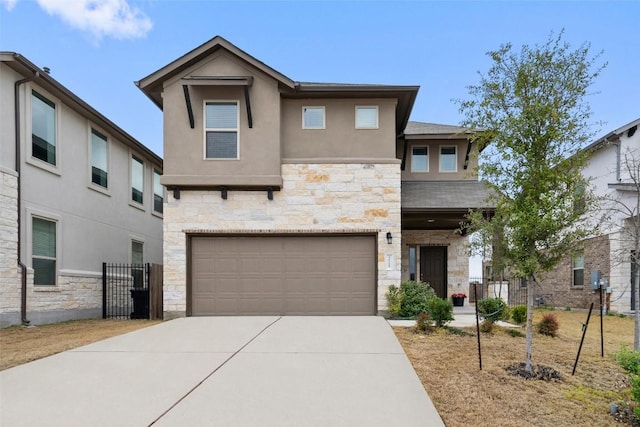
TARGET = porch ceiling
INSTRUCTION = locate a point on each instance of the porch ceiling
(442, 205)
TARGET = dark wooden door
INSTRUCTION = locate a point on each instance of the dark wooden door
(433, 268)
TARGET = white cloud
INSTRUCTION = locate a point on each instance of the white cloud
(100, 18)
(9, 4)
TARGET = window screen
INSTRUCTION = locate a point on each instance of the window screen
(43, 250)
(313, 117)
(221, 136)
(420, 159)
(448, 159)
(137, 180)
(367, 117)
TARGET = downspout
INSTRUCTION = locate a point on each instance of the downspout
(23, 267)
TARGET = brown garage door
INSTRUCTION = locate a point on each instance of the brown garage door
(312, 275)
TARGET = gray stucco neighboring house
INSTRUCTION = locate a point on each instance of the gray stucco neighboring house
(76, 190)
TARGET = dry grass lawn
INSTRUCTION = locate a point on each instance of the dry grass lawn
(20, 344)
(447, 365)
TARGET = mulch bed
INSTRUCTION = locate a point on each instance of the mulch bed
(540, 372)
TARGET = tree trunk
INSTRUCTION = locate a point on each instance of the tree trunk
(529, 339)
(636, 281)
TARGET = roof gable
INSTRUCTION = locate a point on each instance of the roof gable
(152, 84)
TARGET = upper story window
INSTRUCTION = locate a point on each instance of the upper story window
(221, 130)
(313, 118)
(578, 269)
(158, 192)
(43, 251)
(366, 117)
(43, 128)
(448, 159)
(420, 159)
(137, 180)
(99, 159)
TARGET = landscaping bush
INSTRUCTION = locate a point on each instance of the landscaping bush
(549, 325)
(423, 322)
(519, 314)
(394, 299)
(516, 333)
(486, 326)
(441, 310)
(414, 297)
(493, 309)
(629, 360)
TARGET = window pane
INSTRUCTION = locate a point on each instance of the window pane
(578, 261)
(366, 117)
(222, 115)
(313, 117)
(419, 159)
(98, 158)
(43, 238)
(136, 253)
(137, 180)
(222, 145)
(158, 192)
(412, 263)
(43, 128)
(448, 159)
(578, 277)
(44, 271)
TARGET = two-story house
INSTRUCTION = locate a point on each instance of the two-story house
(75, 191)
(287, 197)
(612, 160)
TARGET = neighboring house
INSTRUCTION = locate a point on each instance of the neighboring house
(287, 197)
(77, 192)
(568, 285)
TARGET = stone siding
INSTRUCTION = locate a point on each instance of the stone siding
(314, 198)
(457, 255)
(9, 272)
(557, 284)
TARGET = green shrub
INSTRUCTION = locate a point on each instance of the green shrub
(629, 360)
(414, 299)
(394, 299)
(549, 325)
(441, 310)
(493, 309)
(424, 323)
(519, 314)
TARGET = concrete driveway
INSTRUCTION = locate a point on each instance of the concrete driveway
(225, 371)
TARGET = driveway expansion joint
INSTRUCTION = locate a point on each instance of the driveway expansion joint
(213, 372)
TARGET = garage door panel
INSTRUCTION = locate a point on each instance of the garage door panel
(312, 275)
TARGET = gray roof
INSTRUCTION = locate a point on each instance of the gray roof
(446, 195)
(420, 128)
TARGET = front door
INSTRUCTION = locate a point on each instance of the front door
(433, 268)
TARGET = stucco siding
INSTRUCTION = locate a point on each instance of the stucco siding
(338, 198)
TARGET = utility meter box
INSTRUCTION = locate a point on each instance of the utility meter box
(596, 275)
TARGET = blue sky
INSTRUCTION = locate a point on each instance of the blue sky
(98, 48)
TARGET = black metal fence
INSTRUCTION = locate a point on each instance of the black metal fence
(513, 291)
(125, 291)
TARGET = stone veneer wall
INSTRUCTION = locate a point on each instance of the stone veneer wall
(9, 272)
(558, 283)
(457, 255)
(314, 197)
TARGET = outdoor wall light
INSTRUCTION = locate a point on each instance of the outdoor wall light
(389, 237)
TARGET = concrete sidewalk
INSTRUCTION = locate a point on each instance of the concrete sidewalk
(464, 317)
(233, 371)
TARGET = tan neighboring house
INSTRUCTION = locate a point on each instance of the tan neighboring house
(568, 285)
(287, 197)
(75, 191)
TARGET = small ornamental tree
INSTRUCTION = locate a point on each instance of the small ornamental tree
(530, 106)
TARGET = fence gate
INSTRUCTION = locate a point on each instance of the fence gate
(125, 291)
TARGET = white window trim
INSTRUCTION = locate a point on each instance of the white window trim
(428, 158)
(440, 147)
(48, 216)
(164, 194)
(205, 129)
(377, 126)
(573, 270)
(57, 169)
(324, 117)
(91, 184)
(132, 202)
